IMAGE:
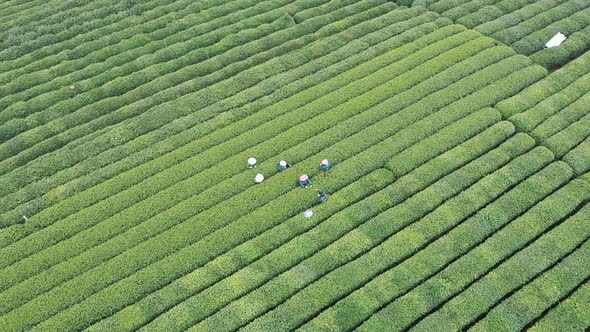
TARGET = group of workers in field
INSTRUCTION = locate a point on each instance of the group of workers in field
(304, 180)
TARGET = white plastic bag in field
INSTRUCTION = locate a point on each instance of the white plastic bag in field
(556, 40)
(308, 214)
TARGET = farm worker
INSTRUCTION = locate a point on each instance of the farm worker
(283, 165)
(322, 196)
(325, 165)
(259, 178)
(304, 181)
(252, 163)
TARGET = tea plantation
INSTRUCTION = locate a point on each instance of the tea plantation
(458, 184)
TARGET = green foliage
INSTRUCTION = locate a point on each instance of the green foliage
(207, 92)
(549, 88)
(474, 277)
(128, 78)
(573, 47)
(521, 30)
(376, 244)
(120, 59)
(95, 16)
(238, 257)
(244, 202)
(524, 265)
(573, 312)
(458, 192)
(566, 117)
(579, 158)
(571, 99)
(200, 305)
(569, 138)
(515, 17)
(532, 300)
(484, 14)
(199, 163)
(79, 36)
(40, 168)
(570, 24)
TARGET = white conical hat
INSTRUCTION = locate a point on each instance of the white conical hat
(325, 162)
(259, 178)
(304, 177)
(283, 163)
(308, 213)
(252, 161)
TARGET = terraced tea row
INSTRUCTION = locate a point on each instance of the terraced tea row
(192, 134)
(524, 25)
(133, 95)
(555, 111)
(339, 132)
(458, 196)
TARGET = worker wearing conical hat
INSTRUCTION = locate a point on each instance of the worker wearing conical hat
(305, 181)
(325, 165)
(252, 162)
(283, 165)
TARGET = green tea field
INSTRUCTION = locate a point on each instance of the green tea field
(310, 165)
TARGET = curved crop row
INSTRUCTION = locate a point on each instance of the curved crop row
(338, 113)
(347, 261)
(64, 41)
(145, 39)
(512, 272)
(570, 24)
(338, 174)
(13, 34)
(140, 121)
(136, 152)
(27, 119)
(541, 293)
(83, 19)
(10, 8)
(237, 125)
(555, 112)
(435, 224)
(566, 117)
(155, 44)
(579, 158)
(227, 234)
(322, 48)
(206, 218)
(477, 12)
(176, 50)
(573, 312)
(11, 11)
(518, 16)
(477, 264)
(324, 140)
(499, 86)
(140, 150)
(577, 43)
(551, 85)
(571, 137)
(526, 25)
(515, 33)
(77, 44)
(439, 118)
(570, 101)
(323, 98)
(250, 138)
(202, 278)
